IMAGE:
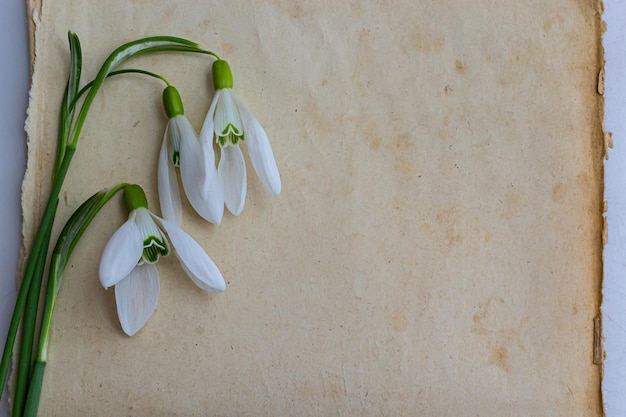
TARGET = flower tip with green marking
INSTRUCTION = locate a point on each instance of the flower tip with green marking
(129, 258)
(196, 161)
(229, 122)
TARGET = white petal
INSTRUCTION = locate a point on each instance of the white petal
(227, 118)
(232, 171)
(213, 196)
(194, 260)
(169, 196)
(207, 133)
(136, 297)
(121, 253)
(197, 169)
(259, 150)
(213, 191)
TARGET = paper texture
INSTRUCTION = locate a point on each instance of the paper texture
(435, 250)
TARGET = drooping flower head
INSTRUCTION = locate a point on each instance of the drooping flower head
(181, 148)
(230, 123)
(129, 257)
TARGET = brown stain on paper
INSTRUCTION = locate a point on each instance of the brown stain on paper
(460, 66)
(375, 143)
(227, 48)
(559, 191)
(403, 149)
(450, 219)
(400, 322)
(500, 358)
(512, 204)
(428, 41)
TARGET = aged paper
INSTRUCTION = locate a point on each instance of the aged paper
(435, 250)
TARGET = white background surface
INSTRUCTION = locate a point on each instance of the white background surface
(14, 84)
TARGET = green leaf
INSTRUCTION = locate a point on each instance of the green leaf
(66, 115)
(67, 241)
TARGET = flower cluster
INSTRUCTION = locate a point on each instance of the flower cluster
(128, 261)
(227, 124)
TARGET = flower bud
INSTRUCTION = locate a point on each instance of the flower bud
(172, 102)
(134, 197)
(222, 76)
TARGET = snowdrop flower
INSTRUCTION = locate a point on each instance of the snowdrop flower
(181, 148)
(230, 122)
(129, 258)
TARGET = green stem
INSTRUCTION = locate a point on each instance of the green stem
(48, 218)
(37, 258)
(69, 237)
(32, 303)
(121, 54)
(118, 72)
(34, 392)
(28, 327)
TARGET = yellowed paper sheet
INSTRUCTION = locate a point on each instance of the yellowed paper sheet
(435, 250)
